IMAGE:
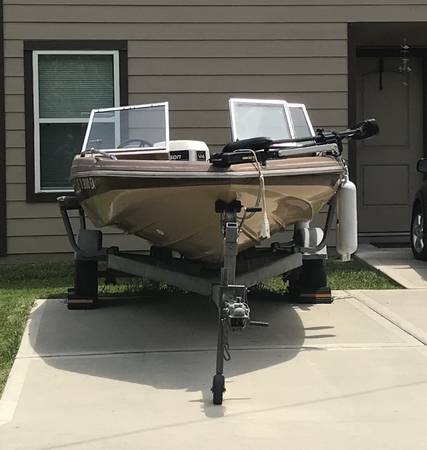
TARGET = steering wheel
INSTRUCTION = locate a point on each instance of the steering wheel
(140, 142)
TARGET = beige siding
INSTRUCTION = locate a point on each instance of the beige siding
(124, 13)
(320, 3)
(14, 103)
(196, 54)
(179, 31)
(239, 84)
(218, 101)
(238, 49)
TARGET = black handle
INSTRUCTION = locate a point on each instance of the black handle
(257, 323)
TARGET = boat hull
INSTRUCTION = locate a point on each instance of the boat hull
(178, 211)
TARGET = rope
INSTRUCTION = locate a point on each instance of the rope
(265, 228)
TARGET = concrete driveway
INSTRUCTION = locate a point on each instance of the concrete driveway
(397, 263)
(136, 374)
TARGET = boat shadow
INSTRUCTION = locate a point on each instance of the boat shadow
(167, 342)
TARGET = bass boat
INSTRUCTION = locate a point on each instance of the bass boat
(130, 175)
(205, 214)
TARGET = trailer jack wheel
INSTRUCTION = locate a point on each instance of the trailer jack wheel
(218, 388)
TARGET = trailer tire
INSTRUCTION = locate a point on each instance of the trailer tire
(218, 389)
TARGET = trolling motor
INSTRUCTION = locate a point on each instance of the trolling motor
(263, 148)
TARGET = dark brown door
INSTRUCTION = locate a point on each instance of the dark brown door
(386, 165)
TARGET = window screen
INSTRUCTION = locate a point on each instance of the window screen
(73, 85)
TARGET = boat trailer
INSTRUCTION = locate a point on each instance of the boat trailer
(302, 265)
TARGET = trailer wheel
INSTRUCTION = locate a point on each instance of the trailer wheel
(218, 388)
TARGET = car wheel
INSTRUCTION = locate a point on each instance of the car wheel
(418, 231)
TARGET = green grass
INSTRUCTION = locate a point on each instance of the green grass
(21, 284)
(341, 276)
(357, 275)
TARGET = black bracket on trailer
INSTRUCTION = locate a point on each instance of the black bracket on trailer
(89, 242)
(88, 251)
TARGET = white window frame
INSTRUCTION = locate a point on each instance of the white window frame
(36, 100)
(234, 101)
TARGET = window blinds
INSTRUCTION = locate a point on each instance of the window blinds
(70, 86)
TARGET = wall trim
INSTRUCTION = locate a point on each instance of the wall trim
(29, 47)
(3, 217)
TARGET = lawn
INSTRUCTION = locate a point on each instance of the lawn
(21, 284)
(349, 275)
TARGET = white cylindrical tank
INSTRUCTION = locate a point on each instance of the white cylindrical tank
(347, 219)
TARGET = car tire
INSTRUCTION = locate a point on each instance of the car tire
(419, 230)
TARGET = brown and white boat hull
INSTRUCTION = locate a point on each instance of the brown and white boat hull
(172, 204)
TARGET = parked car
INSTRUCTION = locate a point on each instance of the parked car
(419, 217)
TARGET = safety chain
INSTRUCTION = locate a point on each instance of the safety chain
(226, 345)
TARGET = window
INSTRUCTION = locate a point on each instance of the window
(66, 84)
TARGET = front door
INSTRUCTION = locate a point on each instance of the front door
(386, 165)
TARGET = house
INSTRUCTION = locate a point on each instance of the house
(344, 60)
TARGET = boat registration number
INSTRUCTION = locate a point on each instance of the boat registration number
(84, 184)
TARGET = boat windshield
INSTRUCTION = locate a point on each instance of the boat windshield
(300, 120)
(274, 119)
(128, 128)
